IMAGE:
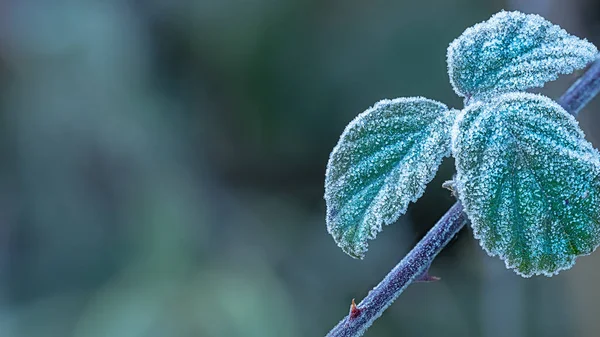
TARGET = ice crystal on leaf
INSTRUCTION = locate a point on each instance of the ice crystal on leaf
(513, 51)
(529, 181)
(382, 162)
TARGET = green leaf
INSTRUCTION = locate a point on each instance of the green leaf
(382, 162)
(513, 51)
(529, 181)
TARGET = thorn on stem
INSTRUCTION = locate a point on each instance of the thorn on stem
(425, 277)
(354, 310)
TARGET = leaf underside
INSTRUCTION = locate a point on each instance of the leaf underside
(513, 51)
(529, 181)
(382, 162)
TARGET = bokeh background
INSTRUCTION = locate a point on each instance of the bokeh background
(162, 167)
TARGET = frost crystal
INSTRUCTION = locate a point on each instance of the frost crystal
(382, 162)
(529, 181)
(513, 51)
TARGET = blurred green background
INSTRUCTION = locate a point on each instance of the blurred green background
(162, 167)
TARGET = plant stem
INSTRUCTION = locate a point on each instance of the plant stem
(415, 264)
(410, 268)
(583, 90)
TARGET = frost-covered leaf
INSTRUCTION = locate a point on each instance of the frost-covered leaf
(529, 181)
(382, 162)
(513, 51)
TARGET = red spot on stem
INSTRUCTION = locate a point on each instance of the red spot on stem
(354, 310)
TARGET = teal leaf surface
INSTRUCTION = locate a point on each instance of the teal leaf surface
(382, 162)
(529, 182)
(513, 51)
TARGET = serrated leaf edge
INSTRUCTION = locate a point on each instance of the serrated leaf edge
(467, 206)
(490, 94)
(374, 230)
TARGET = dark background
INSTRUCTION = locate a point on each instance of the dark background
(162, 166)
